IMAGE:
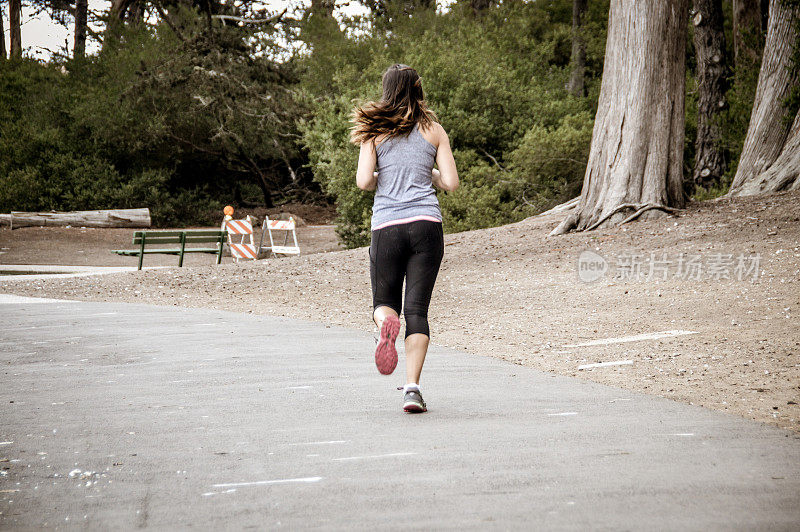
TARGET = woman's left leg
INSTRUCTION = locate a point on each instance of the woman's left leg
(427, 246)
(416, 349)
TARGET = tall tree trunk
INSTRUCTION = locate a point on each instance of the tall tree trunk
(81, 12)
(747, 34)
(15, 27)
(784, 173)
(578, 57)
(265, 191)
(709, 42)
(768, 135)
(3, 53)
(636, 157)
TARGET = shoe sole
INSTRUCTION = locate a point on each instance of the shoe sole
(414, 408)
(386, 352)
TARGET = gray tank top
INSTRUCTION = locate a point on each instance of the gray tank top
(405, 190)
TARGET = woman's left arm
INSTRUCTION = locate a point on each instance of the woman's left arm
(366, 177)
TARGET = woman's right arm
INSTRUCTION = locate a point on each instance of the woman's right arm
(448, 175)
(366, 178)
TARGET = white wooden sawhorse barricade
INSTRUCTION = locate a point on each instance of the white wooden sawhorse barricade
(287, 227)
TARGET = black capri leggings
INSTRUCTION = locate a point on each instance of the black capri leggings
(412, 251)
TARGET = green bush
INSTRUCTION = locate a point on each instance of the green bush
(225, 114)
(549, 164)
(179, 126)
(333, 160)
(483, 199)
(497, 86)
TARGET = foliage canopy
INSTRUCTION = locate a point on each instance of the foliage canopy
(192, 112)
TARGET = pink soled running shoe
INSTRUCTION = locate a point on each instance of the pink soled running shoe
(386, 352)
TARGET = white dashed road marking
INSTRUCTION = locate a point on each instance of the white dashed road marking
(638, 337)
(605, 364)
(371, 456)
(267, 482)
(319, 442)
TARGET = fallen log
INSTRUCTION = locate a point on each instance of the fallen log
(103, 218)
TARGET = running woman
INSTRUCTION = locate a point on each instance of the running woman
(401, 141)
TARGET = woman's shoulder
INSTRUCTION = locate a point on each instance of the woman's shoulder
(433, 132)
(432, 126)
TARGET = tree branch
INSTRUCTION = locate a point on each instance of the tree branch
(192, 145)
(493, 159)
(243, 20)
(168, 20)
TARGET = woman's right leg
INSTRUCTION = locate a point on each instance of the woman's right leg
(383, 312)
(388, 251)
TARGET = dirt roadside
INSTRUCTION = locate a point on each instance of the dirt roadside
(514, 293)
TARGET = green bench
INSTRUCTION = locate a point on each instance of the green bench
(162, 238)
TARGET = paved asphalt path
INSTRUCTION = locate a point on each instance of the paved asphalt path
(116, 416)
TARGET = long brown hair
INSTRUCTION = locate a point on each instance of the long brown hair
(401, 107)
